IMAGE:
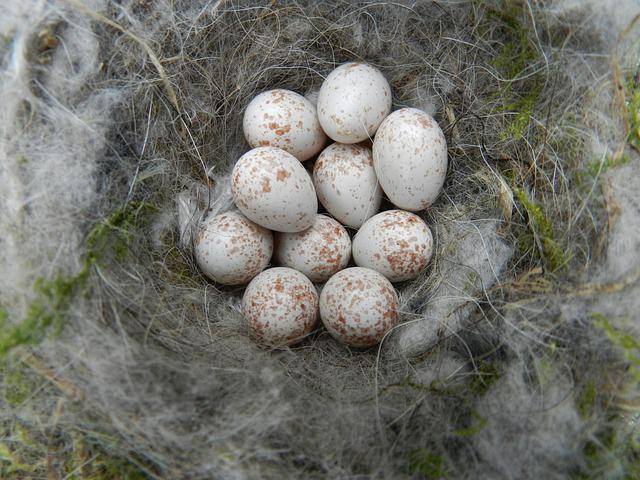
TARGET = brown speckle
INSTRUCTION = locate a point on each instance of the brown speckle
(282, 175)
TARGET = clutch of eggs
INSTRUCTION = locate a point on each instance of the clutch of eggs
(401, 155)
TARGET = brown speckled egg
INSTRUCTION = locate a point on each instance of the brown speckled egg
(231, 249)
(280, 306)
(353, 100)
(346, 183)
(410, 158)
(396, 243)
(274, 190)
(319, 251)
(284, 119)
(358, 306)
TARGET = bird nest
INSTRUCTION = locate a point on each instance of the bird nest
(120, 123)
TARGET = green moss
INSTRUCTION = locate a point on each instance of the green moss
(85, 463)
(23, 455)
(20, 453)
(613, 450)
(109, 238)
(627, 343)
(518, 98)
(550, 250)
(514, 56)
(522, 110)
(16, 386)
(431, 466)
(612, 453)
(30, 451)
(113, 235)
(476, 425)
(632, 101)
(486, 375)
(586, 400)
(12, 464)
(53, 297)
(177, 270)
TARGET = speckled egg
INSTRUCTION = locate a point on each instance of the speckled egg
(318, 252)
(284, 119)
(358, 306)
(410, 158)
(353, 100)
(280, 306)
(395, 243)
(274, 190)
(231, 249)
(346, 183)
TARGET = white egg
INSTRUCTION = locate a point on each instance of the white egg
(358, 306)
(318, 252)
(395, 243)
(353, 100)
(410, 158)
(284, 119)
(280, 306)
(274, 190)
(346, 183)
(231, 249)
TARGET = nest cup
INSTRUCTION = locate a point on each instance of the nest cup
(121, 122)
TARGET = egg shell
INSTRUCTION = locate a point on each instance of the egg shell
(353, 100)
(284, 119)
(318, 252)
(358, 306)
(231, 249)
(346, 183)
(395, 243)
(410, 158)
(280, 306)
(273, 189)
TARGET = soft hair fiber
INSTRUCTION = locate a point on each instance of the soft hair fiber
(119, 124)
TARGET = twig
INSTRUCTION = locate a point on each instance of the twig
(65, 386)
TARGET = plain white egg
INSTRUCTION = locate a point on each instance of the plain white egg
(272, 188)
(318, 252)
(353, 100)
(231, 249)
(284, 119)
(346, 183)
(410, 158)
(280, 306)
(395, 243)
(358, 306)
